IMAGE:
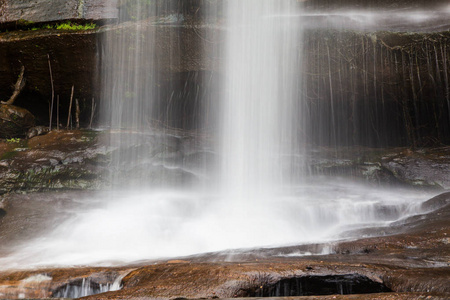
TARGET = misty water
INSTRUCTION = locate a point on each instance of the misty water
(147, 224)
(249, 186)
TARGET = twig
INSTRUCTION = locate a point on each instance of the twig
(53, 90)
(70, 108)
(51, 116)
(92, 112)
(17, 87)
(57, 112)
(77, 114)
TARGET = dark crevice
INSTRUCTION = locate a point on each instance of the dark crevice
(318, 285)
(80, 288)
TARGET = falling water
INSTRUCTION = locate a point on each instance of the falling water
(259, 118)
(139, 90)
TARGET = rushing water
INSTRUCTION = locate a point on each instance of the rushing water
(259, 120)
(149, 224)
(242, 184)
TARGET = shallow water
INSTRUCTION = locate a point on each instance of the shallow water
(122, 227)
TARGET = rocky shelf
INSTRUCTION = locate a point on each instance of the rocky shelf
(79, 160)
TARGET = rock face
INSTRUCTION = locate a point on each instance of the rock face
(37, 48)
(14, 121)
(56, 161)
(76, 60)
(67, 160)
(361, 86)
(386, 108)
(423, 168)
(81, 160)
(41, 11)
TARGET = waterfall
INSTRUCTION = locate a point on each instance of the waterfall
(259, 114)
(212, 156)
(137, 58)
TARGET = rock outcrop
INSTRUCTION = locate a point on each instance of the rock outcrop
(14, 121)
(422, 168)
(81, 160)
(60, 160)
(22, 12)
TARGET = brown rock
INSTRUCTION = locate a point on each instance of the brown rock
(50, 10)
(14, 121)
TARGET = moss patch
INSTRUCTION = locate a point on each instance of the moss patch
(8, 155)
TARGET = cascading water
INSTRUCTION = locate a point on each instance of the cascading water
(138, 90)
(164, 201)
(259, 119)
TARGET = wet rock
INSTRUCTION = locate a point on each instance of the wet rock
(425, 168)
(37, 130)
(157, 160)
(62, 160)
(14, 121)
(34, 49)
(56, 283)
(187, 60)
(436, 202)
(59, 160)
(48, 11)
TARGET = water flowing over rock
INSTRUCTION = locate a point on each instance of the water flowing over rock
(264, 127)
(363, 86)
(421, 239)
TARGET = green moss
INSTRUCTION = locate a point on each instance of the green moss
(51, 178)
(18, 142)
(13, 140)
(71, 26)
(8, 155)
(67, 26)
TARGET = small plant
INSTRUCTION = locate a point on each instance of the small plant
(13, 140)
(71, 26)
(66, 26)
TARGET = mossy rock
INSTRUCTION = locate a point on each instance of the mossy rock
(14, 121)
